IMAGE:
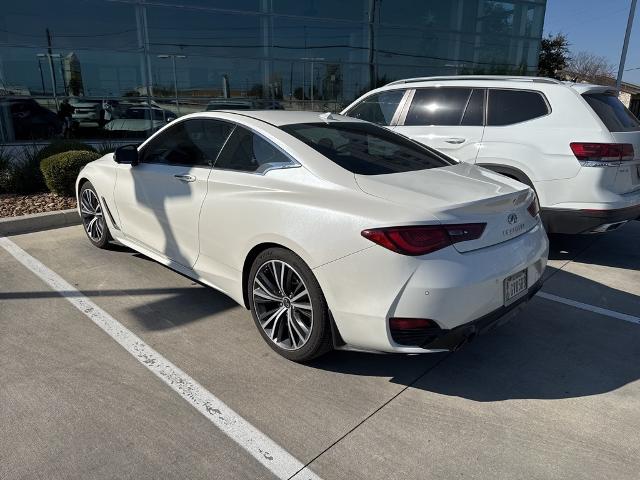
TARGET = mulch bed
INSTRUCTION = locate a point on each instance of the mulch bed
(14, 205)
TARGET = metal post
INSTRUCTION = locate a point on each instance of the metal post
(175, 82)
(41, 77)
(625, 45)
(311, 85)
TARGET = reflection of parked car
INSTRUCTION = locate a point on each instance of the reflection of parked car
(89, 113)
(28, 119)
(576, 144)
(86, 111)
(140, 121)
(243, 104)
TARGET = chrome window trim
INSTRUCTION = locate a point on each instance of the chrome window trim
(293, 163)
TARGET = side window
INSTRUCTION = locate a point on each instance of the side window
(190, 143)
(438, 106)
(249, 152)
(474, 113)
(378, 108)
(507, 107)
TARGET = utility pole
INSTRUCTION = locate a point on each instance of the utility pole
(625, 45)
(53, 71)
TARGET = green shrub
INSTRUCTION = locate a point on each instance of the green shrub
(59, 146)
(23, 174)
(60, 171)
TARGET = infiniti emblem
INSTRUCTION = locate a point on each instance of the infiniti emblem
(512, 219)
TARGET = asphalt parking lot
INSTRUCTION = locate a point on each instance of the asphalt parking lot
(555, 393)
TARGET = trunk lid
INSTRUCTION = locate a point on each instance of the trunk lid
(460, 194)
(624, 128)
(628, 173)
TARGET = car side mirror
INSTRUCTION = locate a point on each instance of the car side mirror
(126, 154)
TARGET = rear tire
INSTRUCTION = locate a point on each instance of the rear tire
(288, 306)
(93, 219)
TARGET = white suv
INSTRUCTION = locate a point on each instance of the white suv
(575, 144)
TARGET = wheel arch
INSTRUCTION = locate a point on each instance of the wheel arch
(510, 172)
(256, 250)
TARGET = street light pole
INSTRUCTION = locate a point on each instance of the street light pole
(175, 76)
(625, 45)
(313, 60)
(50, 56)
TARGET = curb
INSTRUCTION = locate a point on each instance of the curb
(39, 221)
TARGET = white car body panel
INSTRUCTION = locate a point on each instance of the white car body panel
(206, 229)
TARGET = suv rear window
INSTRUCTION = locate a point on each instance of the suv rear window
(366, 149)
(507, 107)
(615, 116)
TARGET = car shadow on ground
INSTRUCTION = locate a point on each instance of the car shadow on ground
(619, 249)
(549, 351)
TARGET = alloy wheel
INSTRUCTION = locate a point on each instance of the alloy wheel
(92, 217)
(283, 304)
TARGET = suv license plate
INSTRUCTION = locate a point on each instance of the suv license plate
(515, 286)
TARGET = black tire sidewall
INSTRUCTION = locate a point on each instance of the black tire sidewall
(320, 340)
(106, 235)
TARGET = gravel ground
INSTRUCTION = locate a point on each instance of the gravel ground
(14, 205)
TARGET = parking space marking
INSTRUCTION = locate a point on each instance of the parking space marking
(590, 308)
(271, 455)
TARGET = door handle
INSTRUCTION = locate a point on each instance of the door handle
(185, 178)
(455, 140)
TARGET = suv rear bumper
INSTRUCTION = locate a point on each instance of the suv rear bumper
(558, 220)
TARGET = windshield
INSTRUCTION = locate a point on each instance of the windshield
(615, 116)
(366, 149)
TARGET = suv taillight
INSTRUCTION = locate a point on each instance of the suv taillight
(423, 239)
(602, 154)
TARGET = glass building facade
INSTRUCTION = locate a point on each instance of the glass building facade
(129, 66)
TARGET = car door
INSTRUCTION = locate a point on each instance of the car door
(159, 200)
(449, 119)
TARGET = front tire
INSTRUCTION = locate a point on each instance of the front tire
(288, 306)
(93, 221)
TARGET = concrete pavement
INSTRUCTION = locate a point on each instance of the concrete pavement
(553, 394)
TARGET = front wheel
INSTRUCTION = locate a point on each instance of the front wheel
(288, 306)
(93, 221)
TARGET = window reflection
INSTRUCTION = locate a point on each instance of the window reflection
(129, 67)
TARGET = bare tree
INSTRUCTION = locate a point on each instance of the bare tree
(588, 67)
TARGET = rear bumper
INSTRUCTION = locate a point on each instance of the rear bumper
(587, 221)
(455, 338)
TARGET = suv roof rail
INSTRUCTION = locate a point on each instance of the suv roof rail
(504, 78)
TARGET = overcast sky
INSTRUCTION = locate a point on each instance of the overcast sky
(597, 26)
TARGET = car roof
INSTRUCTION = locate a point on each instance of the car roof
(280, 117)
(478, 78)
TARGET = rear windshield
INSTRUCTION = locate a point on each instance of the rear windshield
(612, 112)
(366, 149)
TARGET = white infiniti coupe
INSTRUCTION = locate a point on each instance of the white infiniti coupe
(334, 232)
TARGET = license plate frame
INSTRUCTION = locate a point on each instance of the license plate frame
(515, 286)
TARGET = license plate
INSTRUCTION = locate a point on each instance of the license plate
(515, 286)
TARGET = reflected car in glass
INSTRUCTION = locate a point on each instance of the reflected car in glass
(334, 232)
(139, 120)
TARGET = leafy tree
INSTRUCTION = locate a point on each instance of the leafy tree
(554, 55)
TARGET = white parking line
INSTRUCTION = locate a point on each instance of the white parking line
(591, 308)
(275, 458)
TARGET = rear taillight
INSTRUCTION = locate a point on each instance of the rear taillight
(602, 154)
(534, 207)
(423, 239)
